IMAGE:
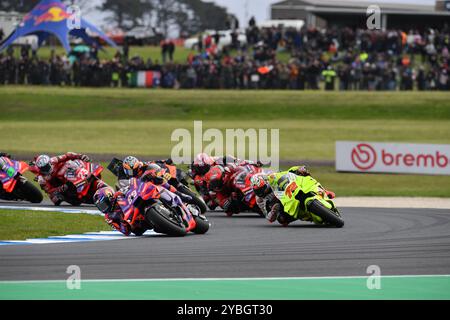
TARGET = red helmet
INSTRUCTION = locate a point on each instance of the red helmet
(216, 179)
(202, 163)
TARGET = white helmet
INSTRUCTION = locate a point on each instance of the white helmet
(43, 162)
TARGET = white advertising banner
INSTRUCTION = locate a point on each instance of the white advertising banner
(354, 156)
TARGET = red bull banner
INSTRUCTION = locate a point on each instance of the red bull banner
(52, 17)
(432, 159)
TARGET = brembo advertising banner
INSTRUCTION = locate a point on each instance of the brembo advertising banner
(393, 157)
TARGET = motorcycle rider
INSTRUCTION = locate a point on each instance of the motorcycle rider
(3, 166)
(105, 200)
(220, 186)
(270, 205)
(160, 177)
(2, 161)
(50, 172)
(200, 173)
(148, 171)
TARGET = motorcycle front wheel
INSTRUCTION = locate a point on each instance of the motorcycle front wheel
(328, 216)
(202, 225)
(165, 221)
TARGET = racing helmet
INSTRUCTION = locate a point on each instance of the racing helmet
(284, 181)
(155, 174)
(259, 185)
(103, 199)
(44, 164)
(131, 166)
(202, 163)
(216, 180)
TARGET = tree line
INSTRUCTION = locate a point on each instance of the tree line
(186, 16)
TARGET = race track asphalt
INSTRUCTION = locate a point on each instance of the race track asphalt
(399, 241)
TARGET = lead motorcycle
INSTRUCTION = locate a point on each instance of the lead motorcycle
(13, 185)
(160, 210)
(304, 198)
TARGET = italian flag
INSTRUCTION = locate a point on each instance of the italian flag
(145, 79)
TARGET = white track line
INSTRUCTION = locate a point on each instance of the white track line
(231, 279)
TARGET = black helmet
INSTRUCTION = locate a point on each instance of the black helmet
(155, 174)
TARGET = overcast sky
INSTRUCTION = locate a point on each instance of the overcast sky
(261, 8)
(244, 9)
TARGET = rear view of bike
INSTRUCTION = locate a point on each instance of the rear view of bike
(13, 185)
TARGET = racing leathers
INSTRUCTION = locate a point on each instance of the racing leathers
(54, 184)
(226, 198)
(267, 201)
(144, 175)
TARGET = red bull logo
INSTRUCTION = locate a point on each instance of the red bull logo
(54, 14)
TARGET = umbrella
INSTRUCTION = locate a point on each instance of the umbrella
(81, 48)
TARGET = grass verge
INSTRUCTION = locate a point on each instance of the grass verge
(54, 103)
(22, 225)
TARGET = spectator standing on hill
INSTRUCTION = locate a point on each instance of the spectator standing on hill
(329, 75)
(217, 38)
(200, 43)
(164, 50)
(2, 34)
(171, 50)
(443, 80)
(2, 70)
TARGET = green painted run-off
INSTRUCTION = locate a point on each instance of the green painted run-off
(411, 287)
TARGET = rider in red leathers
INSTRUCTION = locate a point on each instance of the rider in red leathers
(220, 182)
(50, 174)
(200, 173)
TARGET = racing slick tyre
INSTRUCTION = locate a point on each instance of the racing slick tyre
(27, 191)
(196, 200)
(328, 216)
(202, 225)
(165, 221)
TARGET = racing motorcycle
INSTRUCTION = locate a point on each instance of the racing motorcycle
(178, 179)
(13, 185)
(243, 188)
(303, 197)
(82, 181)
(160, 210)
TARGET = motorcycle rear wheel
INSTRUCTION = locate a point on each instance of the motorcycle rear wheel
(163, 221)
(326, 214)
(27, 191)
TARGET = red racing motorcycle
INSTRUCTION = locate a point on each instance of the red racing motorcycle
(82, 180)
(243, 188)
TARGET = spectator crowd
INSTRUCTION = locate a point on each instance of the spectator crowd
(272, 58)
